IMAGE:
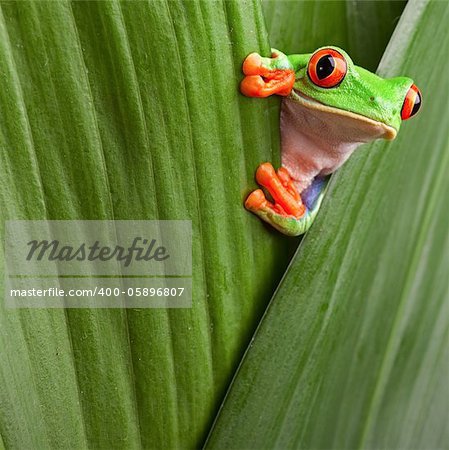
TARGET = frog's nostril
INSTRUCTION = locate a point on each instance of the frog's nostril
(372, 98)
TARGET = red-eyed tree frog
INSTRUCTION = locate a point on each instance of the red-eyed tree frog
(330, 107)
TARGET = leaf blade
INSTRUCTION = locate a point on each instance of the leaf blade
(362, 28)
(115, 126)
(337, 352)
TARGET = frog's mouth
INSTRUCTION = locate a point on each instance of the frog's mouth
(379, 129)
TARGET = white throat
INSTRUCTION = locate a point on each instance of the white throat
(317, 139)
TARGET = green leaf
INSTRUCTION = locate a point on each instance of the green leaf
(362, 28)
(126, 111)
(353, 350)
(131, 110)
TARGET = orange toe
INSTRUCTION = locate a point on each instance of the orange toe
(256, 201)
(265, 174)
(288, 183)
(253, 65)
(285, 196)
(284, 176)
(254, 86)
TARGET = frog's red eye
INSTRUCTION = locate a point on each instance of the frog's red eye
(412, 103)
(327, 68)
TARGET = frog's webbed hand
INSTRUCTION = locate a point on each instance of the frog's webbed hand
(289, 214)
(267, 76)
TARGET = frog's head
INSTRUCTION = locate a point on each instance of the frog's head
(328, 80)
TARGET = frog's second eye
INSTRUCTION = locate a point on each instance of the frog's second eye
(412, 103)
(327, 68)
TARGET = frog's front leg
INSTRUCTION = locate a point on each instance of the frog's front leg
(267, 76)
(289, 214)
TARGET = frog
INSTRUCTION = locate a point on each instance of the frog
(329, 108)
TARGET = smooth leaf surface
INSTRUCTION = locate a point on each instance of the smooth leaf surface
(131, 111)
(353, 350)
(363, 28)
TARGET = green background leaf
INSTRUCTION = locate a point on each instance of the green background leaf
(353, 350)
(363, 28)
(131, 111)
(120, 111)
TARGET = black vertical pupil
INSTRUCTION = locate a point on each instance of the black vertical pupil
(417, 104)
(325, 66)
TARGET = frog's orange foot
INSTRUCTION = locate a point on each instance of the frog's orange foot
(254, 65)
(256, 201)
(261, 80)
(281, 83)
(287, 200)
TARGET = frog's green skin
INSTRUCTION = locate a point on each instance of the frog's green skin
(320, 127)
(361, 92)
